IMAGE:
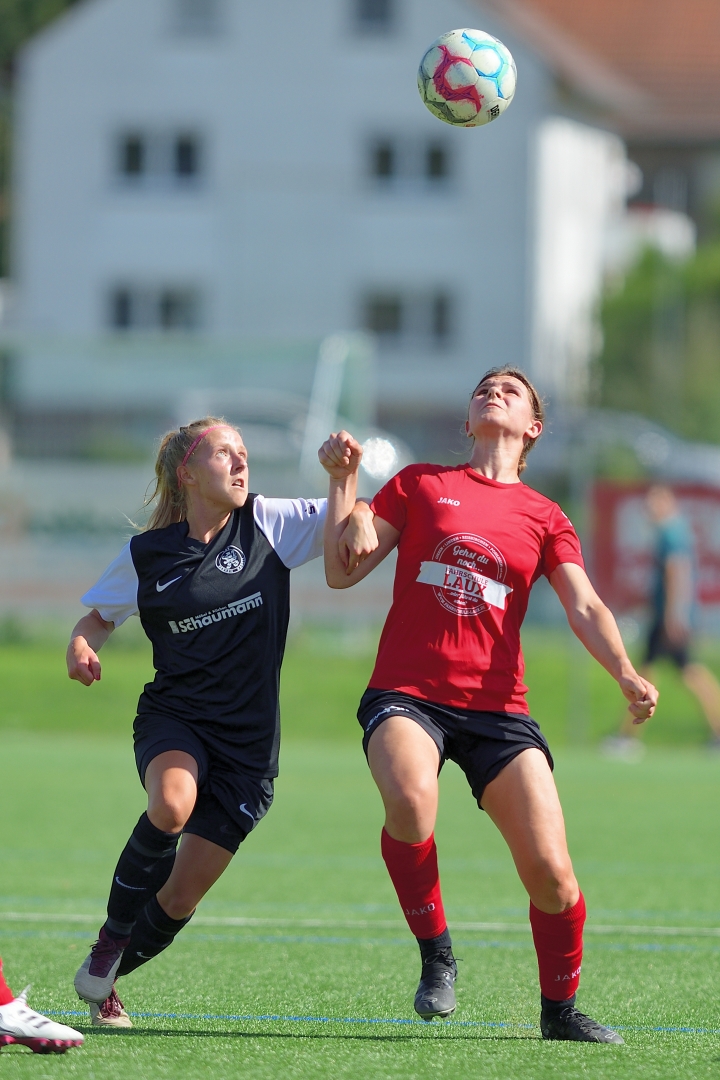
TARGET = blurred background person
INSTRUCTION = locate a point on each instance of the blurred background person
(672, 600)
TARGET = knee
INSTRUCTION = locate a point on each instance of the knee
(410, 812)
(170, 811)
(552, 885)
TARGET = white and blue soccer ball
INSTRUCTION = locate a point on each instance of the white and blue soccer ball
(467, 78)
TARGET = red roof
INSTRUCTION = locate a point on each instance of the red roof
(663, 55)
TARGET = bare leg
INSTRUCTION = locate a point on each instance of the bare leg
(523, 802)
(701, 682)
(171, 785)
(404, 763)
(198, 865)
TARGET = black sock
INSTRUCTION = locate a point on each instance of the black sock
(152, 933)
(142, 869)
(429, 947)
(550, 1006)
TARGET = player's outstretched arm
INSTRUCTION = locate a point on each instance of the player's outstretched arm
(86, 640)
(593, 623)
(355, 540)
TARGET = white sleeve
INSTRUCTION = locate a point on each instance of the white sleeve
(114, 595)
(294, 527)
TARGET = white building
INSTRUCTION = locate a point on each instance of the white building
(195, 176)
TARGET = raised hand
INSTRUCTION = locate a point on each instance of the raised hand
(340, 455)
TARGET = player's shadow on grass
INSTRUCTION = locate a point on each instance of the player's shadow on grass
(187, 1033)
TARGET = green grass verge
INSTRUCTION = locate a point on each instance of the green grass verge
(324, 675)
(329, 943)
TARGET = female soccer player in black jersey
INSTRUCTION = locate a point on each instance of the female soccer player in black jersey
(209, 578)
(448, 680)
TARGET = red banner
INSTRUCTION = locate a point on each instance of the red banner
(623, 542)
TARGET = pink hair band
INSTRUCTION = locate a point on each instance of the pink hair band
(193, 444)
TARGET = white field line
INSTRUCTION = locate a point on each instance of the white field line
(367, 924)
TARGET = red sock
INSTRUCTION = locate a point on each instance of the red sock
(559, 945)
(413, 870)
(6, 994)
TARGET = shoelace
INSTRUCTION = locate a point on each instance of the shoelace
(113, 1006)
(438, 968)
(442, 956)
(585, 1023)
(104, 951)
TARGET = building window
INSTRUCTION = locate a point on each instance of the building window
(382, 160)
(187, 156)
(132, 155)
(437, 163)
(151, 158)
(375, 15)
(414, 319)
(197, 18)
(165, 309)
(409, 161)
(384, 315)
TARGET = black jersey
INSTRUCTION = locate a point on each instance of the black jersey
(217, 617)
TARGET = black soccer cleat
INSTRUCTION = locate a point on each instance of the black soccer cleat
(567, 1024)
(435, 997)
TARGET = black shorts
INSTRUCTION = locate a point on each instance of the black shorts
(230, 802)
(481, 743)
(659, 645)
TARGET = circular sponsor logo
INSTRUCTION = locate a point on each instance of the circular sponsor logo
(465, 557)
(230, 561)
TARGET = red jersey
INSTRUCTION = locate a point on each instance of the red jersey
(470, 550)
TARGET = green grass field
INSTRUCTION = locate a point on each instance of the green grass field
(298, 964)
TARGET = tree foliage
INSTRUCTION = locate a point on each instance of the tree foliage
(661, 343)
(19, 20)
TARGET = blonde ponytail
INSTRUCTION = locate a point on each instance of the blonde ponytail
(171, 504)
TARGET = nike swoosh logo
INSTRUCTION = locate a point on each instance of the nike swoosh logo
(243, 807)
(144, 957)
(135, 888)
(161, 588)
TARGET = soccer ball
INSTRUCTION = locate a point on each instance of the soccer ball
(467, 78)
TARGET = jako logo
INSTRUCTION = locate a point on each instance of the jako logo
(567, 978)
(450, 502)
(420, 911)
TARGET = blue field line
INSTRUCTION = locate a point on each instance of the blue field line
(400, 1021)
(272, 1018)
(400, 942)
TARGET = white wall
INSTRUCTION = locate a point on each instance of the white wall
(286, 232)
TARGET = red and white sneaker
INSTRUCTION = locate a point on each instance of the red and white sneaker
(96, 975)
(110, 1013)
(21, 1024)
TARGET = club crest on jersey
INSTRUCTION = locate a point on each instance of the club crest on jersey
(467, 574)
(231, 560)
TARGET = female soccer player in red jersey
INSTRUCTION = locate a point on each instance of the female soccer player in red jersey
(209, 578)
(448, 680)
